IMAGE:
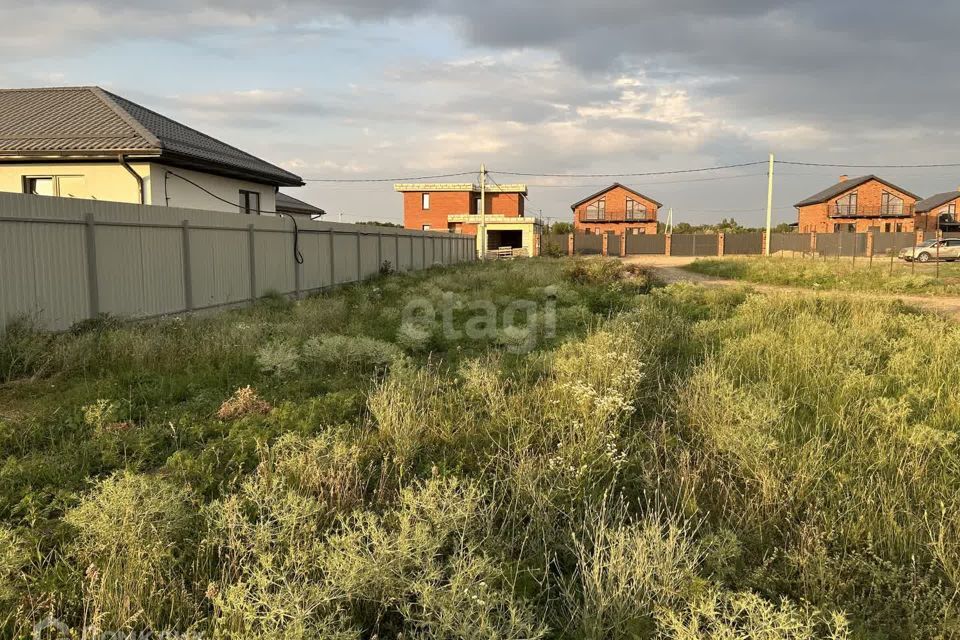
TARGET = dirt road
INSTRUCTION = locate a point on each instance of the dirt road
(669, 269)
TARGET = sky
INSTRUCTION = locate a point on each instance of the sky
(360, 89)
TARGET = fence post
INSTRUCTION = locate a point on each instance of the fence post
(93, 284)
(359, 257)
(623, 244)
(870, 246)
(667, 244)
(536, 244)
(603, 244)
(253, 261)
(721, 243)
(379, 250)
(570, 246)
(333, 260)
(396, 242)
(187, 268)
(296, 266)
(813, 244)
(765, 244)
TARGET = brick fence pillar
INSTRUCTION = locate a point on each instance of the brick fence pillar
(603, 244)
(721, 241)
(666, 244)
(623, 244)
(870, 244)
(919, 236)
(569, 244)
(536, 244)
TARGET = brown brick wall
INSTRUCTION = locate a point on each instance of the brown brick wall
(615, 213)
(815, 217)
(450, 203)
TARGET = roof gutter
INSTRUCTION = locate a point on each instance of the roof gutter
(136, 176)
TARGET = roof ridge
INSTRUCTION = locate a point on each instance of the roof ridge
(125, 115)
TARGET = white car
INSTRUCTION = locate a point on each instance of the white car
(947, 249)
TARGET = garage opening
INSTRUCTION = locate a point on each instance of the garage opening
(504, 239)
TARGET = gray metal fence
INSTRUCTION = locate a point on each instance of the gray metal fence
(647, 244)
(553, 244)
(885, 243)
(743, 244)
(587, 244)
(694, 244)
(64, 260)
(842, 244)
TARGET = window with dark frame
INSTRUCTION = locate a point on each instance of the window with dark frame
(847, 205)
(38, 185)
(636, 210)
(597, 210)
(890, 204)
(250, 202)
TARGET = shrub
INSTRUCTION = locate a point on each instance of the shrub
(280, 357)
(24, 351)
(134, 538)
(346, 353)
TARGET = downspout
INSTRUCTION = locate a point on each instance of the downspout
(136, 176)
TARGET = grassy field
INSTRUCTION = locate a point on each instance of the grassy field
(619, 462)
(844, 274)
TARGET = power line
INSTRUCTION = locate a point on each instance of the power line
(405, 179)
(619, 175)
(869, 166)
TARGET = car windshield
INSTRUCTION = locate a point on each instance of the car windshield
(927, 243)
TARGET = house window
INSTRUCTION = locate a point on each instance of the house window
(890, 205)
(426, 227)
(250, 202)
(847, 205)
(950, 211)
(38, 186)
(476, 205)
(886, 227)
(597, 210)
(424, 201)
(636, 210)
(899, 228)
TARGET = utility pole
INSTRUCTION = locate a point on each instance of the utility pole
(669, 228)
(483, 211)
(766, 238)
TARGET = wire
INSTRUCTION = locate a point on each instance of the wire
(616, 175)
(868, 166)
(297, 255)
(442, 175)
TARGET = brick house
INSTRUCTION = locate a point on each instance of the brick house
(456, 208)
(858, 205)
(617, 208)
(939, 211)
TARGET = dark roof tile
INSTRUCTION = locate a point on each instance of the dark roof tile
(938, 200)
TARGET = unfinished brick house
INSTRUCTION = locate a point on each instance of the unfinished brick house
(858, 205)
(939, 212)
(456, 208)
(616, 208)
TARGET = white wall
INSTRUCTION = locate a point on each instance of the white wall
(107, 181)
(172, 191)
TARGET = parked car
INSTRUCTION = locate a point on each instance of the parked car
(947, 249)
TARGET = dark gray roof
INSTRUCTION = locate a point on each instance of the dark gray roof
(614, 186)
(928, 204)
(842, 187)
(289, 204)
(88, 122)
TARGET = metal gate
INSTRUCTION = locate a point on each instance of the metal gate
(647, 244)
(842, 244)
(743, 244)
(693, 244)
(613, 244)
(789, 243)
(587, 244)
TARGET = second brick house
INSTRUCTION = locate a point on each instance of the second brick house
(456, 208)
(939, 212)
(858, 205)
(616, 208)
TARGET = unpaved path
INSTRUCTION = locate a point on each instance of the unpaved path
(668, 270)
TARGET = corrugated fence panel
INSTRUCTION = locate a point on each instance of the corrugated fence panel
(157, 260)
(694, 244)
(587, 243)
(793, 243)
(648, 244)
(743, 244)
(842, 244)
(886, 242)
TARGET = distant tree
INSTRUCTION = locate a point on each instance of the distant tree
(561, 227)
(377, 223)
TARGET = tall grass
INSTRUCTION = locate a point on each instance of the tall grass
(676, 463)
(846, 275)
